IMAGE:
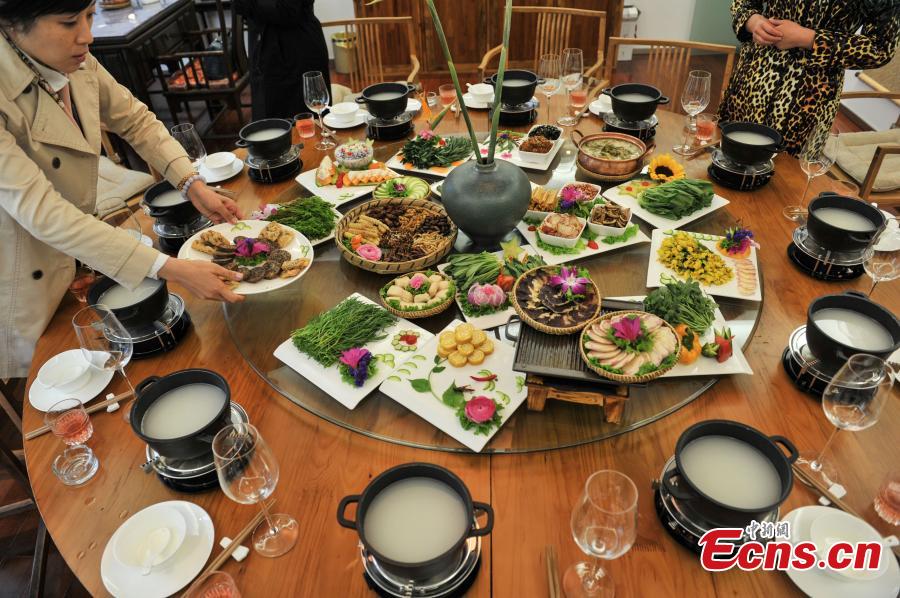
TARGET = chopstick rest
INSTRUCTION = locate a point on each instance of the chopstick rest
(239, 554)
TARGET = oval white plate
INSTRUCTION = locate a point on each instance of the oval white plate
(600, 106)
(236, 168)
(298, 247)
(333, 123)
(43, 398)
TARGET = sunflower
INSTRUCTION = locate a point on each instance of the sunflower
(664, 168)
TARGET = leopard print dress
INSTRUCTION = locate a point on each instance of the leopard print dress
(797, 91)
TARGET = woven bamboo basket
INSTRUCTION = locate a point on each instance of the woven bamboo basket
(622, 377)
(382, 267)
(421, 313)
(523, 315)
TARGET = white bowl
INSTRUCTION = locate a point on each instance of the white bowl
(561, 241)
(603, 230)
(838, 526)
(66, 372)
(533, 157)
(481, 92)
(219, 163)
(344, 112)
(130, 540)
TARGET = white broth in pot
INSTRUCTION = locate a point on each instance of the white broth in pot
(415, 520)
(845, 219)
(167, 199)
(750, 138)
(633, 97)
(182, 411)
(731, 472)
(264, 134)
(853, 329)
(118, 297)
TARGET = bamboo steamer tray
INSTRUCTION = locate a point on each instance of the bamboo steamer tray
(622, 377)
(523, 314)
(419, 313)
(383, 267)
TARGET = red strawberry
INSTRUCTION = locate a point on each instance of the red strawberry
(724, 339)
(532, 228)
(592, 244)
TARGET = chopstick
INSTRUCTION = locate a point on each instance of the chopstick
(236, 541)
(92, 409)
(226, 192)
(552, 575)
(703, 149)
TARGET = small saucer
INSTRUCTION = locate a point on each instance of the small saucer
(413, 105)
(236, 168)
(43, 398)
(358, 120)
(471, 102)
(600, 106)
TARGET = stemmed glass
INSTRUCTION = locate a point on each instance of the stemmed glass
(248, 474)
(317, 98)
(186, 134)
(548, 70)
(105, 343)
(694, 100)
(69, 421)
(853, 401)
(604, 524)
(572, 69)
(815, 160)
(883, 257)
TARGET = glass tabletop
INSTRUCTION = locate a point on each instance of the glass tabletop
(262, 322)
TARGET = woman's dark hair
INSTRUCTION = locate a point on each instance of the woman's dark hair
(22, 13)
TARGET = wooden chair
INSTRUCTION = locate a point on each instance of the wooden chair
(371, 36)
(184, 81)
(668, 64)
(552, 34)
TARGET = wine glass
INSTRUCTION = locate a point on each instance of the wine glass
(186, 134)
(883, 257)
(248, 474)
(694, 100)
(69, 421)
(548, 70)
(215, 584)
(852, 401)
(815, 159)
(604, 524)
(317, 98)
(572, 69)
(105, 343)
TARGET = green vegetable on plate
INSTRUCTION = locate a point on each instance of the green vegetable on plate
(676, 199)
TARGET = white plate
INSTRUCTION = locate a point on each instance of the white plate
(436, 187)
(707, 366)
(655, 269)
(498, 318)
(43, 398)
(474, 104)
(553, 259)
(298, 247)
(329, 379)
(237, 167)
(395, 163)
(819, 584)
(655, 220)
(331, 193)
(358, 119)
(600, 106)
(515, 157)
(169, 577)
(430, 408)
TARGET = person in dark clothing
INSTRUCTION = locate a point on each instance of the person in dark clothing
(286, 40)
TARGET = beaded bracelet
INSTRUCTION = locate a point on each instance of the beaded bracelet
(190, 181)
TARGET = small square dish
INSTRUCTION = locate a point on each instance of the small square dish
(608, 219)
(561, 230)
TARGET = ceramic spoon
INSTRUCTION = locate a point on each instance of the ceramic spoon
(153, 547)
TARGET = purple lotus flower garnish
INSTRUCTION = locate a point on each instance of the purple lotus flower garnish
(628, 328)
(569, 282)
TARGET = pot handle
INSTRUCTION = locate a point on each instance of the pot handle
(489, 526)
(410, 88)
(512, 320)
(606, 91)
(580, 138)
(779, 146)
(143, 384)
(724, 123)
(488, 81)
(793, 454)
(360, 100)
(675, 490)
(541, 81)
(342, 507)
(241, 143)
(662, 100)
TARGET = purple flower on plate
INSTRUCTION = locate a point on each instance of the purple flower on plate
(249, 247)
(569, 281)
(628, 328)
(357, 361)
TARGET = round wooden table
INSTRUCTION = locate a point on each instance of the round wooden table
(532, 493)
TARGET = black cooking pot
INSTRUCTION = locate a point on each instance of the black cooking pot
(680, 486)
(196, 443)
(140, 315)
(385, 108)
(750, 153)
(425, 569)
(518, 86)
(178, 214)
(270, 148)
(831, 353)
(833, 238)
(630, 110)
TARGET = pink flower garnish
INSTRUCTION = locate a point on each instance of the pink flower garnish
(480, 409)
(417, 281)
(570, 194)
(484, 151)
(486, 294)
(266, 211)
(369, 252)
(351, 357)
(568, 281)
(426, 134)
(248, 248)
(628, 328)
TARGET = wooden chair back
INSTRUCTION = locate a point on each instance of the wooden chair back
(371, 35)
(668, 64)
(553, 34)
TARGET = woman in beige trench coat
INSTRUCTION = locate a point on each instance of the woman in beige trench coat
(54, 98)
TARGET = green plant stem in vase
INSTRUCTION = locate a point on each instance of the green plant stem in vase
(501, 72)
